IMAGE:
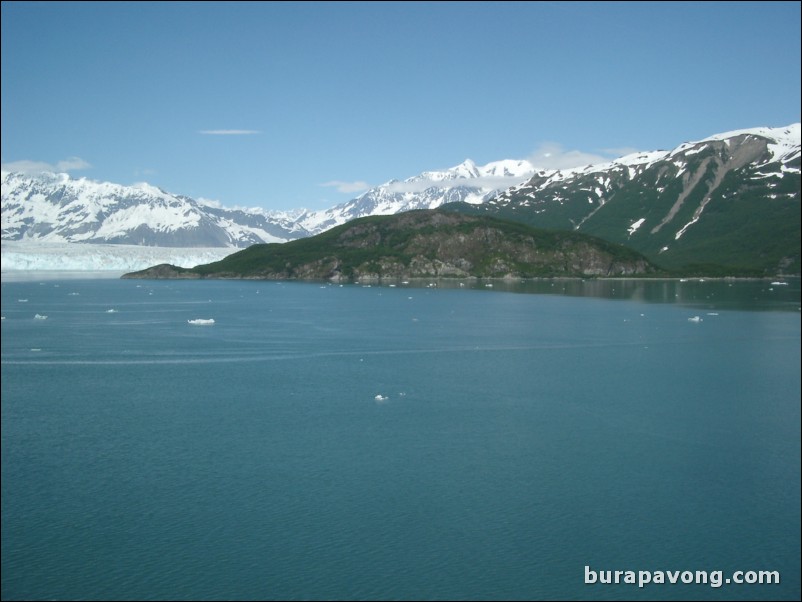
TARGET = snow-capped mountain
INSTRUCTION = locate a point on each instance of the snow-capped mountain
(732, 199)
(467, 182)
(53, 208)
(53, 222)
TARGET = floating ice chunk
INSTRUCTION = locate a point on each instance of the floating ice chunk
(635, 225)
(201, 322)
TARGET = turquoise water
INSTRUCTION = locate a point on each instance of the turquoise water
(326, 442)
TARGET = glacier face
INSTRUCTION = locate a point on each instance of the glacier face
(38, 256)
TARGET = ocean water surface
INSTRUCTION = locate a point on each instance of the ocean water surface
(406, 442)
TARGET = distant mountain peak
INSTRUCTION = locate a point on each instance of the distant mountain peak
(466, 182)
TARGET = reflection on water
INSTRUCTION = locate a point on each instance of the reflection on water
(698, 292)
(701, 293)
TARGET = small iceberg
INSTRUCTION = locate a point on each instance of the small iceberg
(39, 317)
(201, 322)
(695, 319)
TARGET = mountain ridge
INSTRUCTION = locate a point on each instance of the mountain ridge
(732, 200)
(642, 199)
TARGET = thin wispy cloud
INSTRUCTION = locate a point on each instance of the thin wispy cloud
(487, 183)
(35, 167)
(347, 187)
(551, 155)
(229, 132)
(214, 203)
(621, 151)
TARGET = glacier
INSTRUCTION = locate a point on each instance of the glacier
(79, 257)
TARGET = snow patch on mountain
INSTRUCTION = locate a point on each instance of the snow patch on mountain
(783, 145)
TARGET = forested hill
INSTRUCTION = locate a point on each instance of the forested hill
(422, 244)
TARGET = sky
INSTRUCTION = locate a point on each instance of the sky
(284, 105)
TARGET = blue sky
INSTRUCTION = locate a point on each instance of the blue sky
(286, 105)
